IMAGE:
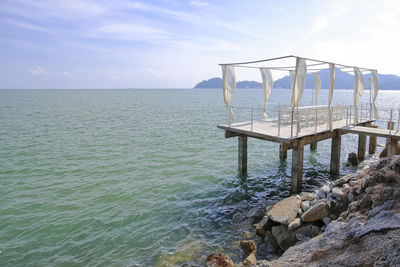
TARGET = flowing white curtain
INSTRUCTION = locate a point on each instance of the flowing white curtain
(299, 81)
(317, 85)
(298, 84)
(228, 85)
(374, 82)
(358, 90)
(292, 73)
(331, 85)
(268, 84)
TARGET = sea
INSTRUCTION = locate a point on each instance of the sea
(140, 177)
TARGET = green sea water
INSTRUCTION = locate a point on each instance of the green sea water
(136, 177)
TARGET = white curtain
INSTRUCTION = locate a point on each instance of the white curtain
(228, 85)
(358, 90)
(331, 85)
(292, 73)
(317, 85)
(268, 84)
(299, 81)
(298, 84)
(374, 82)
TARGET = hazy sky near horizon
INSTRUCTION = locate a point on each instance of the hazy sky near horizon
(175, 44)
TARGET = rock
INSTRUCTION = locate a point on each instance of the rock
(350, 197)
(352, 159)
(339, 182)
(285, 211)
(353, 183)
(249, 260)
(319, 195)
(306, 196)
(358, 190)
(333, 216)
(305, 205)
(283, 236)
(315, 213)
(314, 231)
(326, 220)
(247, 234)
(295, 224)
(299, 212)
(325, 189)
(353, 206)
(219, 260)
(263, 226)
(270, 241)
(248, 246)
(346, 186)
(337, 193)
(302, 237)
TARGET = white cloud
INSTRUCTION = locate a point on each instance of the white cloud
(127, 31)
(199, 3)
(42, 71)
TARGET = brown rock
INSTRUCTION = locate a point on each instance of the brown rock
(248, 246)
(264, 225)
(249, 260)
(295, 224)
(285, 211)
(316, 213)
(219, 260)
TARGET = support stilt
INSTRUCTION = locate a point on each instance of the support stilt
(336, 146)
(242, 156)
(362, 143)
(313, 146)
(297, 167)
(392, 146)
(282, 151)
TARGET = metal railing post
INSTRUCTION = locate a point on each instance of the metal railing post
(361, 115)
(279, 122)
(291, 125)
(252, 119)
(316, 119)
(398, 120)
(347, 115)
(390, 123)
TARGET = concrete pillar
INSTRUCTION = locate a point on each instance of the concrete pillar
(372, 142)
(362, 143)
(282, 151)
(242, 156)
(297, 167)
(313, 146)
(336, 147)
(392, 146)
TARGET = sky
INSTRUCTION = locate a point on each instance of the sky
(176, 44)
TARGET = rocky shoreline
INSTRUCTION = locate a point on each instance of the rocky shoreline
(352, 221)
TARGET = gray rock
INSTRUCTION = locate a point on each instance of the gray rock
(319, 195)
(326, 220)
(294, 225)
(306, 196)
(315, 231)
(346, 186)
(302, 237)
(283, 236)
(316, 213)
(339, 182)
(337, 193)
(350, 197)
(299, 212)
(358, 190)
(263, 226)
(325, 189)
(305, 205)
(353, 183)
(285, 211)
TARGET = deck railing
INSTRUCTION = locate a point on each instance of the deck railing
(316, 117)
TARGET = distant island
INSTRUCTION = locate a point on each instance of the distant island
(343, 80)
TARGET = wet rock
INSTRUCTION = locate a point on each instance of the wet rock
(285, 211)
(248, 246)
(249, 260)
(306, 196)
(283, 236)
(305, 205)
(270, 241)
(352, 159)
(337, 193)
(316, 213)
(295, 224)
(264, 225)
(219, 260)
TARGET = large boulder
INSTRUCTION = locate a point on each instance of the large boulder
(352, 159)
(283, 236)
(285, 211)
(316, 212)
(219, 260)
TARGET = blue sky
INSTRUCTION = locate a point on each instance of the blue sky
(175, 44)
